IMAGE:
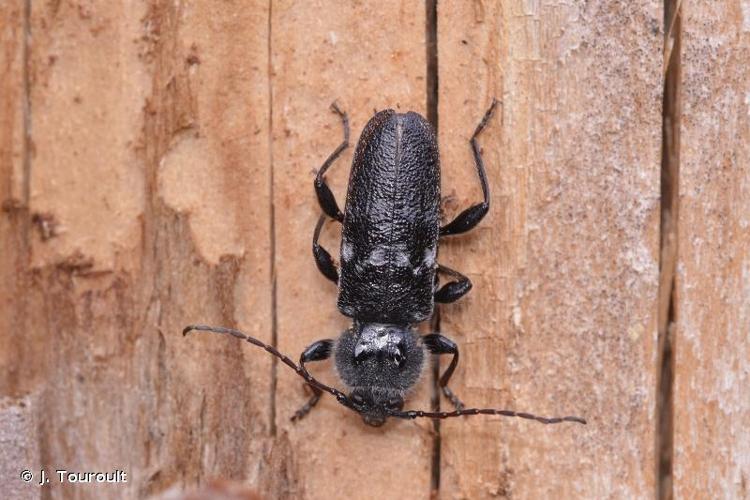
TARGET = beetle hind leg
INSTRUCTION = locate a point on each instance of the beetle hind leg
(325, 196)
(470, 217)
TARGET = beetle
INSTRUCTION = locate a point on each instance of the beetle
(388, 274)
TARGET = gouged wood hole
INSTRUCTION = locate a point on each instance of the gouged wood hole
(156, 169)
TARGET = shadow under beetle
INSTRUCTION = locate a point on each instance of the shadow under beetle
(388, 276)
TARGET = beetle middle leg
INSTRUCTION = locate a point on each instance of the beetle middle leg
(322, 258)
(325, 196)
(470, 217)
(437, 344)
(317, 351)
(453, 290)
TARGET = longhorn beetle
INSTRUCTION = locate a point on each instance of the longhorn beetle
(388, 279)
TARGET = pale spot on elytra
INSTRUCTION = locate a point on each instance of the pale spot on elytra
(428, 260)
(397, 256)
(347, 252)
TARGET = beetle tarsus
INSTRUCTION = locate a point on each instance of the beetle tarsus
(309, 405)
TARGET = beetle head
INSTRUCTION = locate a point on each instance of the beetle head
(380, 363)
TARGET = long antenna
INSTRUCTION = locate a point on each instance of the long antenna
(485, 411)
(301, 371)
(344, 400)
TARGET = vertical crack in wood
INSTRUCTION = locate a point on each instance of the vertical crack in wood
(432, 116)
(272, 228)
(432, 62)
(435, 406)
(668, 248)
(27, 143)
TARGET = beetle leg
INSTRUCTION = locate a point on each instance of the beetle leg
(322, 258)
(325, 196)
(453, 290)
(437, 344)
(470, 217)
(317, 351)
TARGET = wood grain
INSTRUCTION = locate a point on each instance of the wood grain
(562, 316)
(13, 193)
(712, 338)
(147, 120)
(321, 52)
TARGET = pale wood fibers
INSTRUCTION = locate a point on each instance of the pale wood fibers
(712, 338)
(562, 317)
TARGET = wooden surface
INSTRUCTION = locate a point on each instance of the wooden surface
(316, 60)
(562, 317)
(156, 168)
(13, 219)
(712, 353)
(141, 117)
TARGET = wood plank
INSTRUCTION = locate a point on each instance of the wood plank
(712, 338)
(210, 161)
(150, 132)
(13, 210)
(321, 52)
(77, 332)
(562, 316)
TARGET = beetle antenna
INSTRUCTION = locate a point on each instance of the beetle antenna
(300, 370)
(411, 414)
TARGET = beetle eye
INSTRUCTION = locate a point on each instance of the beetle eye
(394, 404)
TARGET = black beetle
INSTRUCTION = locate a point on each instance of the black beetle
(388, 274)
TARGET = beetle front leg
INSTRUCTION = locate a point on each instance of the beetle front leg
(453, 290)
(325, 196)
(317, 351)
(470, 217)
(322, 258)
(437, 344)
